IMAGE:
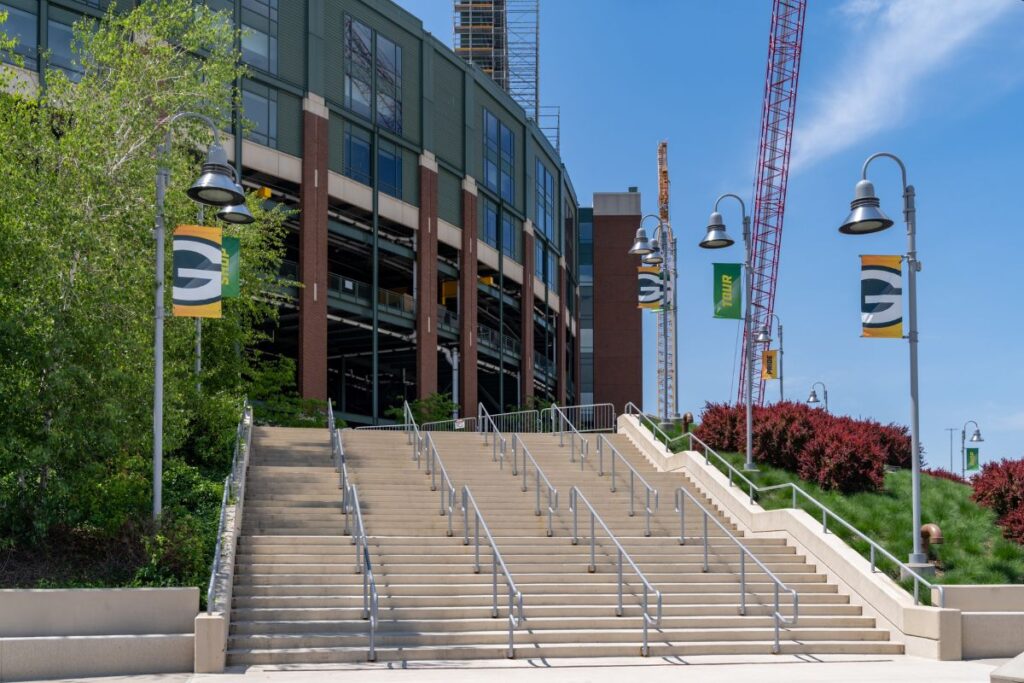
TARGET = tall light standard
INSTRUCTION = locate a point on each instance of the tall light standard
(660, 251)
(975, 438)
(764, 336)
(215, 187)
(867, 217)
(813, 398)
(718, 238)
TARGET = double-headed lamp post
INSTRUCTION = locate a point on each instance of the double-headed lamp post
(217, 186)
(654, 252)
(813, 398)
(975, 438)
(718, 238)
(867, 217)
(764, 336)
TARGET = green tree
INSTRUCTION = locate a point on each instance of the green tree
(76, 272)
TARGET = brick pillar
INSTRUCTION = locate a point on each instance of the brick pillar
(312, 378)
(467, 301)
(563, 323)
(426, 280)
(577, 361)
(526, 306)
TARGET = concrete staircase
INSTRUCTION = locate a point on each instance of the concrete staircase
(298, 597)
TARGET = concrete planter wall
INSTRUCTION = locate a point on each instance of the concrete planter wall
(96, 632)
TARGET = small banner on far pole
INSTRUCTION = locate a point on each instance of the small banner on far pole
(230, 285)
(728, 292)
(651, 287)
(881, 297)
(197, 277)
(770, 364)
(973, 460)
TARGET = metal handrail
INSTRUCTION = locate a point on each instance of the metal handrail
(461, 424)
(591, 417)
(515, 596)
(487, 426)
(397, 427)
(826, 514)
(234, 483)
(602, 441)
(681, 495)
(434, 463)
(363, 564)
(552, 491)
(574, 434)
(632, 409)
(575, 496)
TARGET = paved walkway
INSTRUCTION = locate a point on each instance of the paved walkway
(757, 669)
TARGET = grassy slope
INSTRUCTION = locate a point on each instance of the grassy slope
(974, 550)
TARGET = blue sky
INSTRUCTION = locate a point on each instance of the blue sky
(938, 82)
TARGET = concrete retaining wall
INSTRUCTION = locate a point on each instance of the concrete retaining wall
(96, 632)
(991, 619)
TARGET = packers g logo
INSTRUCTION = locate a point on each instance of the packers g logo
(881, 296)
(197, 272)
(651, 289)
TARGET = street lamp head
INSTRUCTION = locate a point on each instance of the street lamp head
(641, 245)
(764, 336)
(865, 215)
(238, 214)
(716, 237)
(654, 258)
(813, 398)
(976, 436)
(216, 186)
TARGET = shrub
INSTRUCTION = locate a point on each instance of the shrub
(721, 426)
(782, 431)
(894, 440)
(844, 458)
(1000, 486)
(1013, 525)
(945, 474)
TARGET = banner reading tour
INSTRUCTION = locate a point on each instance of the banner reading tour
(728, 292)
(197, 272)
(770, 364)
(652, 287)
(881, 296)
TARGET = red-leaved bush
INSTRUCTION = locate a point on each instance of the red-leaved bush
(722, 426)
(944, 474)
(1013, 525)
(843, 457)
(894, 440)
(782, 431)
(1000, 486)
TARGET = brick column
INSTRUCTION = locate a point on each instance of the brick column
(526, 306)
(563, 323)
(426, 280)
(312, 378)
(576, 354)
(467, 301)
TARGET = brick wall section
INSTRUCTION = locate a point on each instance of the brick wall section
(467, 302)
(426, 281)
(526, 326)
(563, 322)
(618, 338)
(312, 378)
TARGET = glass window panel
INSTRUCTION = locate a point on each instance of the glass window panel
(259, 49)
(23, 26)
(491, 224)
(389, 112)
(261, 111)
(538, 259)
(357, 155)
(60, 38)
(389, 169)
(357, 96)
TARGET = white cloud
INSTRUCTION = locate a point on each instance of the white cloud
(897, 44)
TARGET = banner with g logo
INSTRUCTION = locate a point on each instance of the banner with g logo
(881, 296)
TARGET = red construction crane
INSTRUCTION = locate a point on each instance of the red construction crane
(780, 86)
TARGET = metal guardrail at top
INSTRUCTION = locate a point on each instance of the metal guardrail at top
(591, 417)
(234, 486)
(575, 496)
(559, 422)
(499, 445)
(397, 427)
(515, 596)
(447, 318)
(602, 442)
(519, 447)
(827, 513)
(681, 496)
(519, 421)
(363, 564)
(632, 409)
(462, 424)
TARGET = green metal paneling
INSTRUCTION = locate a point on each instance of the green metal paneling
(410, 177)
(449, 197)
(334, 36)
(289, 124)
(335, 143)
(291, 41)
(448, 111)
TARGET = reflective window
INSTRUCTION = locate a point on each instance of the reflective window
(389, 169)
(511, 238)
(389, 85)
(23, 26)
(261, 110)
(358, 66)
(259, 37)
(538, 258)
(499, 157)
(489, 226)
(545, 202)
(357, 155)
(60, 38)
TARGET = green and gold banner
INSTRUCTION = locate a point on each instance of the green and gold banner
(973, 460)
(651, 287)
(881, 297)
(230, 285)
(196, 292)
(770, 364)
(728, 290)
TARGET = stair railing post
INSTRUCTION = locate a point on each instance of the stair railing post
(465, 518)
(600, 457)
(613, 471)
(618, 610)
(476, 531)
(775, 649)
(645, 649)
(680, 503)
(593, 543)
(705, 541)
(632, 510)
(574, 508)
(494, 583)
(536, 486)
(743, 583)
(647, 509)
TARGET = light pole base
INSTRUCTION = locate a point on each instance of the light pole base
(925, 569)
(750, 467)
